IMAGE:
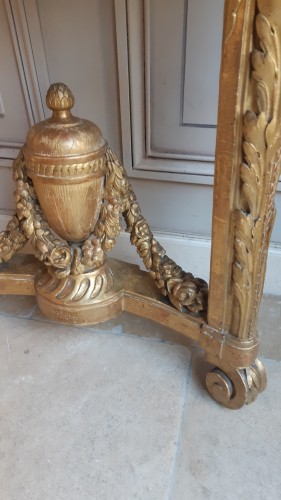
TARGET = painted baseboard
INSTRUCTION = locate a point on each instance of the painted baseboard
(191, 252)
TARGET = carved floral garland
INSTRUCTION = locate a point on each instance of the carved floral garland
(182, 288)
(13, 238)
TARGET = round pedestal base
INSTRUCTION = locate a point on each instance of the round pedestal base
(83, 299)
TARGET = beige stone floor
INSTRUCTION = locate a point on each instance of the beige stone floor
(119, 412)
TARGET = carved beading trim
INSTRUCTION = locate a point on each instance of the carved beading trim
(97, 165)
(259, 172)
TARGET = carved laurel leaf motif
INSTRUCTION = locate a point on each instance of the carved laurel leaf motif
(260, 170)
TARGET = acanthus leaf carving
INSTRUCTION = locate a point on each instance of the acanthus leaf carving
(259, 171)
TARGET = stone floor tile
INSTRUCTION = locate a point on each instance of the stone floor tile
(269, 326)
(269, 323)
(86, 415)
(130, 324)
(113, 326)
(21, 306)
(225, 454)
(135, 325)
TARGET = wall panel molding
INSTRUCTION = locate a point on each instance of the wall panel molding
(28, 46)
(197, 107)
(141, 159)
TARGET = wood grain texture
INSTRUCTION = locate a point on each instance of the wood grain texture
(233, 76)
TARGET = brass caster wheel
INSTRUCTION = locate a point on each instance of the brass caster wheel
(233, 388)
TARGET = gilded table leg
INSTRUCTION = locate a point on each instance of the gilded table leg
(247, 172)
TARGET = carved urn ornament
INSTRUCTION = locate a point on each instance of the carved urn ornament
(71, 193)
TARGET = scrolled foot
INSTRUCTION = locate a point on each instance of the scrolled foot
(233, 388)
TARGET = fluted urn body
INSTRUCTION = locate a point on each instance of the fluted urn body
(65, 158)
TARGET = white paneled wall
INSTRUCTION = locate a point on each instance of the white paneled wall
(14, 120)
(81, 52)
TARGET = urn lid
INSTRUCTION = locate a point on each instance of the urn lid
(62, 139)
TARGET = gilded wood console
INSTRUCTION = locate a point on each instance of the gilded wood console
(71, 191)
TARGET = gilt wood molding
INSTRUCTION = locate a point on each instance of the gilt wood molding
(247, 165)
